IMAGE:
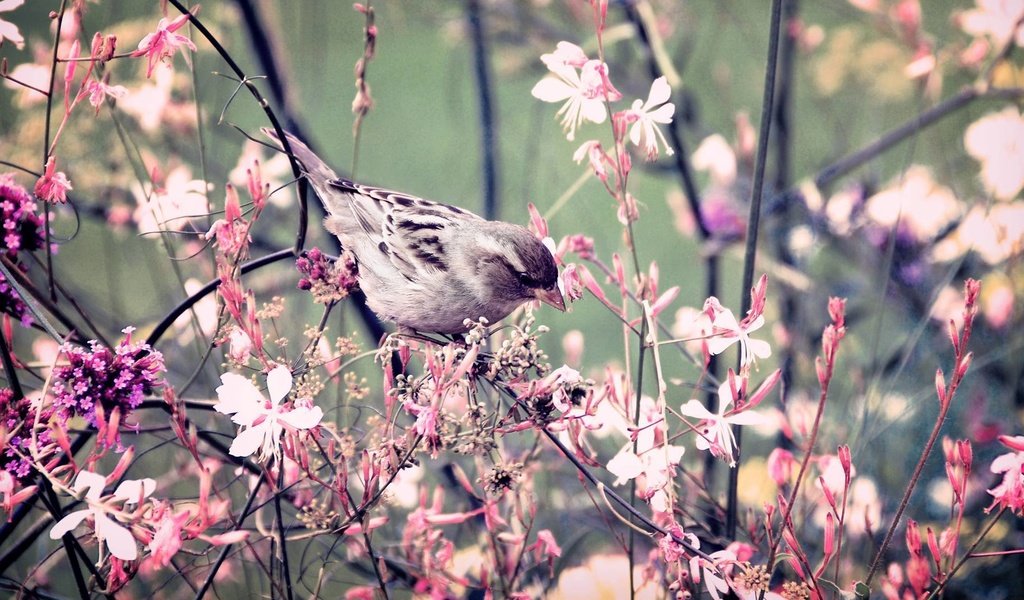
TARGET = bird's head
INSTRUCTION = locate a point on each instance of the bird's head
(520, 267)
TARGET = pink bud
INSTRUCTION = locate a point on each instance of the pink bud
(962, 366)
(830, 535)
(845, 459)
(966, 453)
(940, 387)
(913, 538)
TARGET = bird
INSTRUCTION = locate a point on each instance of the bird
(429, 267)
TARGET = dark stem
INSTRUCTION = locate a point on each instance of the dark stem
(46, 149)
(227, 548)
(753, 223)
(281, 530)
(481, 64)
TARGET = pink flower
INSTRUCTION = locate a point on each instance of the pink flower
(164, 43)
(10, 30)
(727, 331)
(262, 421)
(656, 110)
(99, 90)
(997, 142)
(715, 432)
(591, 150)
(167, 538)
(584, 92)
(54, 185)
(118, 539)
(997, 19)
(27, 79)
(717, 157)
(1010, 491)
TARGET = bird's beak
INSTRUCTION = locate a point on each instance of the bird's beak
(551, 297)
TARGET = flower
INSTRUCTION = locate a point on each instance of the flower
(591, 150)
(164, 43)
(99, 90)
(17, 417)
(262, 421)
(118, 539)
(54, 185)
(644, 132)
(22, 231)
(727, 332)
(997, 19)
(27, 79)
(715, 432)
(328, 280)
(1010, 491)
(180, 198)
(997, 142)
(717, 157)
(9, 30)
(922, 208)
(584, 92)
(97, 383)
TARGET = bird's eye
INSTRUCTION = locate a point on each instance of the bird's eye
(526, 280)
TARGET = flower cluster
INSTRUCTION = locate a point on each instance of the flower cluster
(585, 88)
(16, 419)
(105, 386)
(22, 231)
(328, 280)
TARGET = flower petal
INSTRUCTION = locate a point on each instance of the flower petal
(696, 410)
(119, 540)
(69, 522)
(279, 383)
(238, 396)
(660, 93)
(132, 490)
(248, 440)
(302, 417)
(93, 482)
(552, 89)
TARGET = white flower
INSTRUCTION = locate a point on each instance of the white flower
(998, 19)
(997, 142)
(117, 538)
(262, 421)
(645, 133)
(716, 432)
(584, 92)
(10, 30)
(728, 331)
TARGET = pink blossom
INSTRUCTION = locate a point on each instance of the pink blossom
(262, 421)
(657, 110)
(117, 538)
(583, 92)
(163, 43)
(715, 430)
(9, 30)
(565, 54)
(27, 79)
(997, 142)
(1010, 491)
(591, 150)
(727, 331)
(999, 20)
(178, 200)
(717, 157)
(54, 185)
(167, 538)
(99, 90)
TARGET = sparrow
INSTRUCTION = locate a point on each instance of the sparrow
(428, 266)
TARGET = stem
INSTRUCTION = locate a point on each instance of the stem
(481, 64)
(753, 223)
(227, 548)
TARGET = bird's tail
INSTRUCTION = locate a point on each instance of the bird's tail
(316, 170)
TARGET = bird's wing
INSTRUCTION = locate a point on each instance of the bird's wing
(412, 232)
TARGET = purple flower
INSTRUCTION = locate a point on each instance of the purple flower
(328, 280)
(16, 418)
(97, 381)
(21, 230)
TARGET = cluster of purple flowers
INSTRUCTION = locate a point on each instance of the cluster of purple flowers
(22, 232)
(98, 380)
(328, 280)
(16, 419)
